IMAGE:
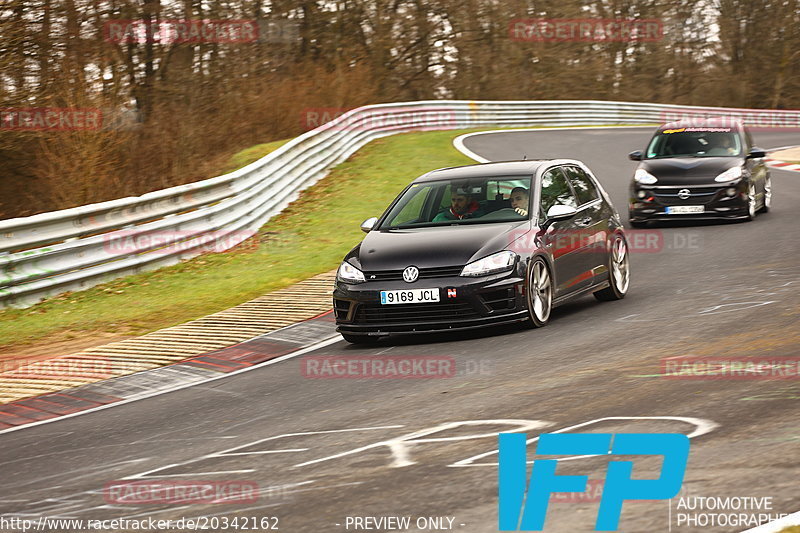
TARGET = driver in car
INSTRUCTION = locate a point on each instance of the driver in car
(519, 200)
(462, 205)
(727, 145)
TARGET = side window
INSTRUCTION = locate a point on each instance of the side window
(555, 190)
(582, 185)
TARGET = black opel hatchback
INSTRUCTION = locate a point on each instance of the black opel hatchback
(699, 169)
(482, 245)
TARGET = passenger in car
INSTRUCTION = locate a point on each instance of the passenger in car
(725, 147)
(462, 205)
(520, 200)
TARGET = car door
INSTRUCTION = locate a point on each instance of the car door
(562, 237)
(592, 225)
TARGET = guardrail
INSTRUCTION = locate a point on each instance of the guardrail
(51, 253)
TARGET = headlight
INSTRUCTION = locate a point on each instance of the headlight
(492, 264)
(641, 194)
(730, 174)
(350, 274)
(644, 177)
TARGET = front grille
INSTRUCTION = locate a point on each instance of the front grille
(414, 313)
(500, 300)
(424, 273)
(701, 195)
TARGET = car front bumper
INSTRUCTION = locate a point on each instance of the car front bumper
(464, 303)
(715, 200)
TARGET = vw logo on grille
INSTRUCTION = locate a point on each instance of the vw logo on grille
(410, 274)
(684, 194)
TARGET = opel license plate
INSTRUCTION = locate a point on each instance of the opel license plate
(684, 209)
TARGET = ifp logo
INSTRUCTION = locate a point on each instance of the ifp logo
(618, 486)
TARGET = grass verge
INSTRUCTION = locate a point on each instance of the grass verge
(250, 155)
(309, 237)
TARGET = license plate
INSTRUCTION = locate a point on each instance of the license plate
(410, 296)
(684, 209)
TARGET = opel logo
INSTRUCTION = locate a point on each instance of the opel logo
(410, 274)
(684, 194)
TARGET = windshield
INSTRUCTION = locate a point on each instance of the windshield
(463, 201)
(695, 142)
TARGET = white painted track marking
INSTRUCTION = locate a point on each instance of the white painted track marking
(458, 142)
(230, 451)
(399, 445)
(738, 306)
(317, 346)
(702, 427)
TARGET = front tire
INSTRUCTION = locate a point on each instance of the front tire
(767, 195)
(619, 274)
(752, 205)
(539, 293)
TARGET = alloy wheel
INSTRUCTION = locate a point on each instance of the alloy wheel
(767, 193)
(751, 202)
(540, 293)
(620, 265)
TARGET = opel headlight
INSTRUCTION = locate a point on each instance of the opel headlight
(730, 174)
(644, 177)
(492, 264)
(350, 274)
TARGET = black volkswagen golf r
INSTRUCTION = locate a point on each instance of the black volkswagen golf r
(482, 245)
(699, 169)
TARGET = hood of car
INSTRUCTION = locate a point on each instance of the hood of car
(688, 170)
(433, 247)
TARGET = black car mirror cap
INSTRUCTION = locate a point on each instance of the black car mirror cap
(757, 153)
(369, 224)
(636, 155)
(561, 212)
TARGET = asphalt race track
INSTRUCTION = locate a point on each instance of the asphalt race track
(323, 450)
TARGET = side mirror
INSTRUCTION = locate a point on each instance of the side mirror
(368, 224)
(636, 155)
(756, 153)
(560, 212)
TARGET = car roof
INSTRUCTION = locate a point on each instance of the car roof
(483, 170)
(714, 122)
